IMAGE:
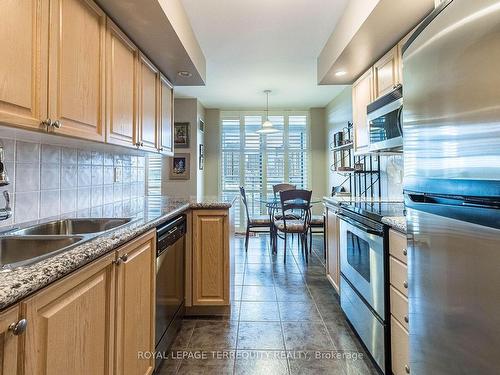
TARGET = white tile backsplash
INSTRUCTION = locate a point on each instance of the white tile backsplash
(48, 180)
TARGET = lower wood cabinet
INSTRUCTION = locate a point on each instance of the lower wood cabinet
(332, 247)
(210, 254)
(9, 341)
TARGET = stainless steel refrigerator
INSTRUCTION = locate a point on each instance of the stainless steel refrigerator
(451, 131)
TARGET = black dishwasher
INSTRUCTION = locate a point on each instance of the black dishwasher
(170, 253)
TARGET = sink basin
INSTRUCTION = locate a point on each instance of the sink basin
(72, 226)
(19, 251)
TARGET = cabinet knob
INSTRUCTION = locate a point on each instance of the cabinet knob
(161, 148)
(139, 144)
(405, 253)
(406, 319)
(405, 284)
(407, 369)
(19, 327)
(57, 124)
(118, 261)
(124, 257)
(47, 122)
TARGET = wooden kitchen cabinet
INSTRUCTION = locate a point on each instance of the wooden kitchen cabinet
(9, 342)
(362, 95)
(71, 323)
(76, 68)
(210, 257)
(332, 248)
(386, 73)
(399, 348)
(166, 126)
(148, 103)
(135, 305)
(121, 88)
(23, 66)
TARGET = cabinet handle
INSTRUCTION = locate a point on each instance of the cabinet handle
(407, 369)
(118, 261)
(406, 319)
(139, 144)
(57, 124)
(405, 253)
(405, 284)
(19, 327)
(47, 123)
(161, 149)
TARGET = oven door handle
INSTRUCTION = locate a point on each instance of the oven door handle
(360, 226)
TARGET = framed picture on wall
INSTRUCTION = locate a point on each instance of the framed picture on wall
(179, 167)
(201, 125)
(201, 158)
(181, 134)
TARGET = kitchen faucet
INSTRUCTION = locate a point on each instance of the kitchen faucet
(5, 212)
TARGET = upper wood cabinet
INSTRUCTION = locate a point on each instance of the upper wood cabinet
(135, 305)
(400, 53)
(76, 68)
(148, 103)
(210, 257)
(362, 95)
(121, 88)
(9, 341)
(386, 73)
(332, 248)
(166, 127)
(23, 66)
(71, 323)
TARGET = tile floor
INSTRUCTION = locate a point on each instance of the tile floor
(286, 319)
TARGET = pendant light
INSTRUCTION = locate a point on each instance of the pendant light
(267, 126)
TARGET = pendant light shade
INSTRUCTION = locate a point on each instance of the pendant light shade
(267, 126)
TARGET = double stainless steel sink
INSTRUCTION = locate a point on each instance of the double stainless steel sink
(29, 245)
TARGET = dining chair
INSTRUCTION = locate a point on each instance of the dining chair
(318, 223)
(254, 223)
(282, 187)
(298, 202)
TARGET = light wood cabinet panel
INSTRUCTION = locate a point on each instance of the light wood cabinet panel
(400, 53)
(135, 305)
(398, 272)
(71, 323)
(121, 88)
(9, 345)
(166, 127)
(399, 306)
(23, 65)
(148, 103)
(362, 95)
(399, 348)
(397, 246)
(386, 73)
(332, 244)
(210, 257)
(76, 68)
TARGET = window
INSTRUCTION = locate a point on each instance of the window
(154, 176)
(258, 162)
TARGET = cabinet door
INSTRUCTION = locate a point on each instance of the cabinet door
(166, 117)
(23, 65)
(148, 108)
(400, 53)
(121, 88)
(76, 68)
(332, 245)
(9, 341)
(70, 323)
(362, 94)
(210, 257)
(386, 73)
(135, 305)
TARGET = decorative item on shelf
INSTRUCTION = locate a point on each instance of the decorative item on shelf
(345, 169)
(267, 126)
(359, 167)
(201, 125)
(201, 159)
(181, 134)
(179, 167)
(338, 139)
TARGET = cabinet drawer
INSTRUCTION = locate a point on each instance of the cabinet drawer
(397, 246)
(399, 348)
(399, 307)
(398, 275)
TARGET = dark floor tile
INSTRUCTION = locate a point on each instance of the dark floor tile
(260, 336)
(258, 293)
(256, 362)
(236, 292)
(168, 366)
(184, 334)
(259, 267)
(307, 336)
(239, 267)
(342, 336)
(299, 311)
(259, 311)
(208, 363)
(317, 363)
(263, 278)
(234, 310)
(214, 335)
(238, 279)
(296, 294)
(359, 366)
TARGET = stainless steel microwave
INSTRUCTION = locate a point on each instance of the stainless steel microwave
(384, 122)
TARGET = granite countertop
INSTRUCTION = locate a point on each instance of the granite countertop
(146, 213)
(396, 222)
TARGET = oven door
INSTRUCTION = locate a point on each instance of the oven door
(362, 262)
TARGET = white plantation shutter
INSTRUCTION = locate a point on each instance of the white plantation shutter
(154, 175)
(258, 162)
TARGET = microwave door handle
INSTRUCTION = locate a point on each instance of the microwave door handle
(360, 226)
(400, 120)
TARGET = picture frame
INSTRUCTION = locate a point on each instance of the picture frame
(201, 160)
(181, 135)
(180, 167)
(201, 125)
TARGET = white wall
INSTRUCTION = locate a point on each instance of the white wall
(212, 152)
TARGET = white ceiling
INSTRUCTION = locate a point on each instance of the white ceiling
(253, 45)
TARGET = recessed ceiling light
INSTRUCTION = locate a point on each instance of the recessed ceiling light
(184, 74)
(341, 73)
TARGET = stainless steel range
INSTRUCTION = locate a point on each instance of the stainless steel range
(364, 273)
